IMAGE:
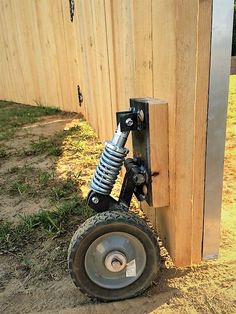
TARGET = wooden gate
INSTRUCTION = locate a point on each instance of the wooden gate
(115, 50)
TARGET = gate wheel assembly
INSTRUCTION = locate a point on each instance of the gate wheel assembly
(113, 256)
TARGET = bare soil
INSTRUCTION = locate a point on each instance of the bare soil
(34, 279)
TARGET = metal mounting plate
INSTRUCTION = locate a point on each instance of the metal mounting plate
(141, 143)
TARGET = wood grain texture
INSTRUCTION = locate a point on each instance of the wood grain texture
(74, 63)
(164, 82)
(159, 150)
(142, 21)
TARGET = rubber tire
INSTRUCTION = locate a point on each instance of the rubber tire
(98, 225)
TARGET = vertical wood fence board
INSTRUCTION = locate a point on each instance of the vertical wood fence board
(28, 77)
(123, 45)
(73, 48)
(6, 85)
(13, 65)
(111, 59)
(186, 30)
(158, 128)
(70, 42)
(89, 61)
(37, 59)
(123, 42)
(102, 86)
(82, 62)
(30, 51)
(47, 42)
(142, 24)
(164, 80)
(64, 77)
(15, 44)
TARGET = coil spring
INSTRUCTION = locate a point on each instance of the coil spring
(108, 168)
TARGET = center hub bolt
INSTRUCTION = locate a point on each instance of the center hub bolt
(115, 261)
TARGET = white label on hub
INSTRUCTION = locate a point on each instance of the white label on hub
(131, 269)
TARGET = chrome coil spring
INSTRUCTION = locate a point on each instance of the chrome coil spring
(108, 168)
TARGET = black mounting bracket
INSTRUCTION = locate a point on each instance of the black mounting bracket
(132, 120)
(134, 182)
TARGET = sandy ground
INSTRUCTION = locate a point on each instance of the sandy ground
(43, 285)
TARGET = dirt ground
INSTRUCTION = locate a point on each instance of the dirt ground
(34, 278)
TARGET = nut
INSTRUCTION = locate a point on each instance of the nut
(95, 200)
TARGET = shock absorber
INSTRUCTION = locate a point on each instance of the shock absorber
(109, 166)
(110, 163)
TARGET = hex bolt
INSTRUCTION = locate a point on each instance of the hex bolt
(116, 264)
(95, 200)
(129, 122)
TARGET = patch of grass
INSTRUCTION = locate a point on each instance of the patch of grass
(44, 146)
(44, 178)
(51, 146)
(22, 181)
(52, 222)
(12, 235)
(63, 189)
(14, 115)
(63, 204)
(19, 188)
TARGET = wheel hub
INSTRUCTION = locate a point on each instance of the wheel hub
(107, 260)
(115, 261)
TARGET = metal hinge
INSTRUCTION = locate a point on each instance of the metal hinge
(80, 95)
(72, 9)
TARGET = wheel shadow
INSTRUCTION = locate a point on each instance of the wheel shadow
(159, 294)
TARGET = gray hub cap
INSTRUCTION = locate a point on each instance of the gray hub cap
(115, 260)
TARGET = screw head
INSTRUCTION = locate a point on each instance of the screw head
(145, 190)
(129, 122)
(95, 200)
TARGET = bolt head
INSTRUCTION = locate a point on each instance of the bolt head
(129, 122)
(145, 190)
(95, 199)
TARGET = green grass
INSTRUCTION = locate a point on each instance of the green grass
(63, 190)
(44, 177)
(19, 187)
(15, 115)
(45, 146)
(63, 203)
(28, 181)
(51, 146)
(13, 236)
(21, 181)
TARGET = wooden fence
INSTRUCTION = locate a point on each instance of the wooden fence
(115, 50)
